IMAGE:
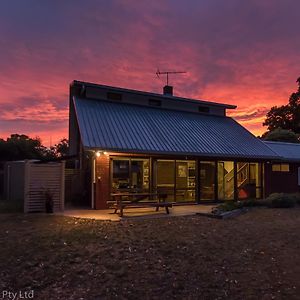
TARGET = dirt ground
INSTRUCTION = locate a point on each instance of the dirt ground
(254, 256)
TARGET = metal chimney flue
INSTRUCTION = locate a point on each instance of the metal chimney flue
(168, 90)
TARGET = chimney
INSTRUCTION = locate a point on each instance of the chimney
(168, 90)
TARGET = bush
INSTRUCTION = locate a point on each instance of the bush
(228, 206)
(253, 202)
(276, 200)
(282, 200)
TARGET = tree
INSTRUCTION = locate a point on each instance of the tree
(61, 149)
(281, 135)
(20, 146)
(286, 116)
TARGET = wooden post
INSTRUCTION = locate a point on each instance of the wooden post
(235, 191)
(62, 186)
(102, 194)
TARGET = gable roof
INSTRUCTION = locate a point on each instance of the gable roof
(139, 129)
(287, 151)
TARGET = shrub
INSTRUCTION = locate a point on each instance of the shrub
(282, 200)
(228, 206)
(254, 202)
(275, 200)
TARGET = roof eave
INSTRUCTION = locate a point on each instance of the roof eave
(194, 154)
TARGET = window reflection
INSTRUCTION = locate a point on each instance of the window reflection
(207, 180)
(225, 180)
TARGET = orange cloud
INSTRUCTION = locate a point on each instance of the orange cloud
(239, 52)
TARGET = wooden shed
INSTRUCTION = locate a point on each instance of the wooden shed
(29, 180)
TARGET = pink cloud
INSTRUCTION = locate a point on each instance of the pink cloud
(238, 52)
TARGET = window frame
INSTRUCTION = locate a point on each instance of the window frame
(281, 167)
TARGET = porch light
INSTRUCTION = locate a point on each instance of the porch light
(105, 153)
(98, 153)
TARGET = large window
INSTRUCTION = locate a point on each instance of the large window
(130, 174)
(225, 180)
(177, 179)
(185, 180)
(249, 180)
(207, 180)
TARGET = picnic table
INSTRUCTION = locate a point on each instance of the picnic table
(134, 200)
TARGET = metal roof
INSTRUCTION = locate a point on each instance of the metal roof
(139, 129)
(288, 151)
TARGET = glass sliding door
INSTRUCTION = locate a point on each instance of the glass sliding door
(176, 178)
(140, 175)
(207, 180)
(185, 181)
(225, 180)
(165, 178)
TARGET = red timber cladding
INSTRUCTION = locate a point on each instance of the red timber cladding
(102, 192)
(281, 182)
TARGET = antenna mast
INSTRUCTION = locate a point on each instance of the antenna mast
(167, 73)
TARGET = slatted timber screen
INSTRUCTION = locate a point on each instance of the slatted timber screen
(40, 178)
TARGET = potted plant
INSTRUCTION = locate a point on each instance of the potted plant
(49, 203)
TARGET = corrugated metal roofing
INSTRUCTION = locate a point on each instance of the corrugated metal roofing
(138, 129)
(288, 151)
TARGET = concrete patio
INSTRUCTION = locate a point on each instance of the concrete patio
(109, 215)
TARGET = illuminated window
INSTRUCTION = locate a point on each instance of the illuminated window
(285, 167)
(276, 168)
(280, 167)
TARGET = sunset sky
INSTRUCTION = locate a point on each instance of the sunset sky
(239, 52)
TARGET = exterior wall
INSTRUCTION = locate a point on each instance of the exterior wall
(274, 182)
(281, 182)
(102, 182)
(14, 181)
(140, 98)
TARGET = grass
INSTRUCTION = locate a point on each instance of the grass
(11, 206)
(254, 256)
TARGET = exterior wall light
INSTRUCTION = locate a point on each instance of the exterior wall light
(105, 153)
(98, 153)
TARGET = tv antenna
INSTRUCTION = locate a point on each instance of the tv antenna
(158, 73)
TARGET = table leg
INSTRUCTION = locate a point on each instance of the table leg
(121, 207)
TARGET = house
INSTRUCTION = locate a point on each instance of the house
(283, 176)
(134, 141)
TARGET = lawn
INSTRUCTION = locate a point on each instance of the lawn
(254, 256)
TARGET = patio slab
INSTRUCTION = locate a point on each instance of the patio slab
(108, 215)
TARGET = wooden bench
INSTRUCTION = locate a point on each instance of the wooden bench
(120, 204)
